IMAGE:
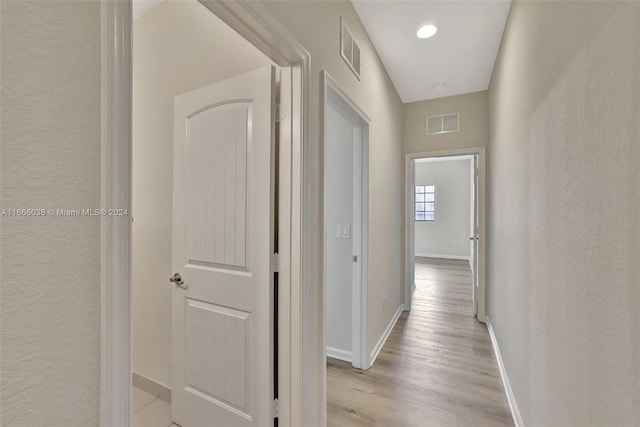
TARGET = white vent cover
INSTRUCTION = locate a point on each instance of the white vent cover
(349, 49)
(443, 123)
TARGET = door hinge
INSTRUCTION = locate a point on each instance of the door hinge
(355, 258)
(275, 262)
(275, 408)
(278, 112)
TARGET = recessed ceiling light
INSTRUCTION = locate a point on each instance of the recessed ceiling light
(427, 31)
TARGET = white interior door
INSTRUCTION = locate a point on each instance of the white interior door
(223, 228)
(410, 235)
(474, 238)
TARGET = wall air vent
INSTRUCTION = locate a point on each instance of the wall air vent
(349, 49)
(443, 123)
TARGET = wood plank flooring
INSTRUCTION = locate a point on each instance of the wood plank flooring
(436, 369)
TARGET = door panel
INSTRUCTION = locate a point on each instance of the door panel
(222, 315)
(217, 168)
(217, 344)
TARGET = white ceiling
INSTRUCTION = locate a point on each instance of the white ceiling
(460, 56)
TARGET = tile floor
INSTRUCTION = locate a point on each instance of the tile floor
(150, 411)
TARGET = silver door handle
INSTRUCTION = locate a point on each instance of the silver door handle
(177, 279)
(472, 238)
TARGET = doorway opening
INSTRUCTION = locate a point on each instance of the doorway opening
(444, 206)
(204, 202)
(346, 226)
(254, 177)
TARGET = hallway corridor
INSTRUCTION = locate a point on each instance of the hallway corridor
(436, 369)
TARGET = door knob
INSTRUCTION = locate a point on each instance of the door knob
(177, 279)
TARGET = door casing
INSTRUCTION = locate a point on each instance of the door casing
(256, 24)
(409, 229)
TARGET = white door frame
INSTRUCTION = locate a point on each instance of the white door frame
(256, 24)
(333, 92)
(409, 230)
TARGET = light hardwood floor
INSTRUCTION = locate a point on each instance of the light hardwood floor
(436, 369)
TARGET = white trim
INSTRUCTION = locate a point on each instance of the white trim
(409, 229)
(444, 159)
(383, 338)
(333, 94)
(513, 406)
(456, 257)
(285, 263)
(151, 386)
(409, 272)
(357, 112)
(300, 248)
(336, 353)
(254, 22)
(115, 232)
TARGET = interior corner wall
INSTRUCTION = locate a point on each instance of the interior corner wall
(564, 231)
(176, 48)
(474, 123)
(448, 235)
(316, 24)
(50, 265)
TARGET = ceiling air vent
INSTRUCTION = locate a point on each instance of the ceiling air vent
(443, 123)
(349, 49)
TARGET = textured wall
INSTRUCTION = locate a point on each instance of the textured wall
(316, 24)
(449, 234)
(177, 48)
(474, 123)
(50, 266)
(564, 238)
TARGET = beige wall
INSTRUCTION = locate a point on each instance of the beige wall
(474, 123)
(316, 24)
(50, 266)
(564, 231)
(564, 238)
(177, 48)
(448, 235)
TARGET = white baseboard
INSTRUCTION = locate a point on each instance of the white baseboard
(336, 353)
(385, 335)
(151, 386)
(513, 406)
(423, 255)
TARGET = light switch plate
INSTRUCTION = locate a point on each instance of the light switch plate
(343, 231)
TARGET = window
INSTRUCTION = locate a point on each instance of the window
(425, 203)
